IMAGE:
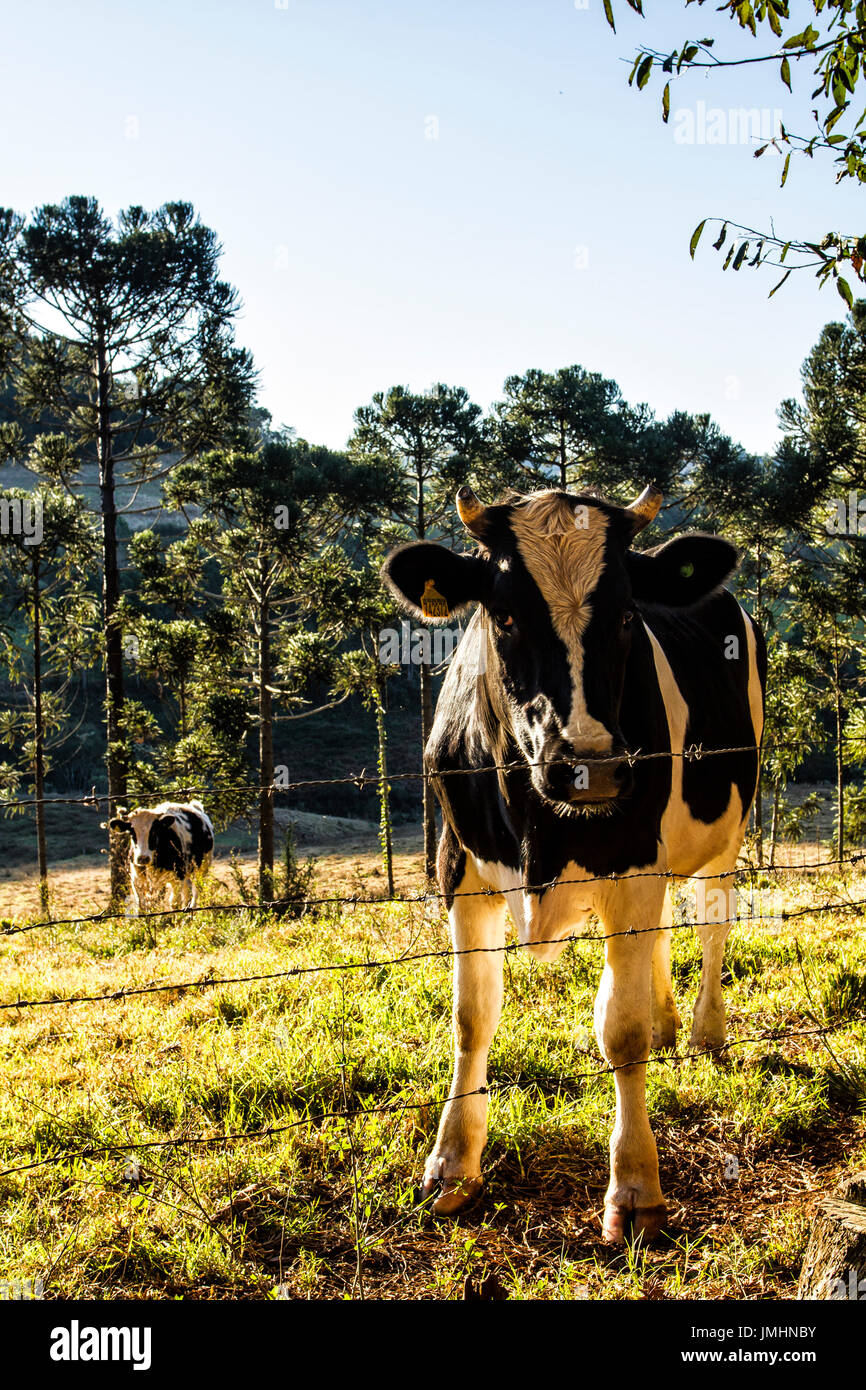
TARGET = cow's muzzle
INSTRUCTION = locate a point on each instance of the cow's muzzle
(579, 778)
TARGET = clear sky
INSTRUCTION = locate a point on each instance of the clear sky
(420, 190)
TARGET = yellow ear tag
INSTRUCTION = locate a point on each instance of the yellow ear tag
(433, 605)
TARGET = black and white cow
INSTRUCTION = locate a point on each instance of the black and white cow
(170, 845)
(581, 651)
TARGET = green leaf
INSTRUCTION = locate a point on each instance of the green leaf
(779, 284)
(717, 245)
(785, 73)
(796, 40)
(696, 236)
(643, 72)
(729, 255)
(741, 255)
(845, 290)
(785, 168)
(666, 102)
(608, 14)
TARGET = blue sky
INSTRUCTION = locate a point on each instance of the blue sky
(454, 190)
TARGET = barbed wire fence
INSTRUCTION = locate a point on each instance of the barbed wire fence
(347, 1113)
(693, 753)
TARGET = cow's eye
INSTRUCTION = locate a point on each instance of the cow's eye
(502, 619)
(627, 617)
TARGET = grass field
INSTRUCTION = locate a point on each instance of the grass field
(330, 1208)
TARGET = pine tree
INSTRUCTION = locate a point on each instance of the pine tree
(47, 621)
(124, 334)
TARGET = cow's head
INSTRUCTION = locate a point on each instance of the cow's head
(558, 584)
(143, 827)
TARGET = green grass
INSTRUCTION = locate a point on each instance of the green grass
(245, 1219)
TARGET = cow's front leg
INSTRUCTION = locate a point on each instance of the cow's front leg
(716, 910)
(477, 929)
(623, 1027)
(665, 1017)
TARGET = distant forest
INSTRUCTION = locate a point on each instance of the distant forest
(189, 596)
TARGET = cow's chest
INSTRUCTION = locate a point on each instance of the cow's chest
(545, 920)
(151, 883)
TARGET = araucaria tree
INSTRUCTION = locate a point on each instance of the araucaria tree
(45, 600)
(556, 427)
(267, 508)
(124, 341)
(432, 442)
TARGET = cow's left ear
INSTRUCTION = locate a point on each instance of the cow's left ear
(682, 571)
(433, 582)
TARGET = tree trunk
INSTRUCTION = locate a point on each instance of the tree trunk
(563, 458)
(384, 790)
(835, 1260)
(266, 751)
(840, 751)
(774, 823)
(115, 754)
(39, 743)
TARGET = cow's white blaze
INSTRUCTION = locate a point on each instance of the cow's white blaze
(566, 563)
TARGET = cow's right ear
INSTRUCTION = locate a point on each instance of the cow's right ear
(432, 582)
(116, 823)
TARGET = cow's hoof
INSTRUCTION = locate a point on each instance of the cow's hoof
(711, 1044)
(455, 1194)
(629, 1223)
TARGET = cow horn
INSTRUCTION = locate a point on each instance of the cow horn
(646, 508)
(471, 511)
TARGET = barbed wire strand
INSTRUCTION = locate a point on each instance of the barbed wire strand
(427, 895)
(694, 753)
(268, 1131)
(211, 981)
